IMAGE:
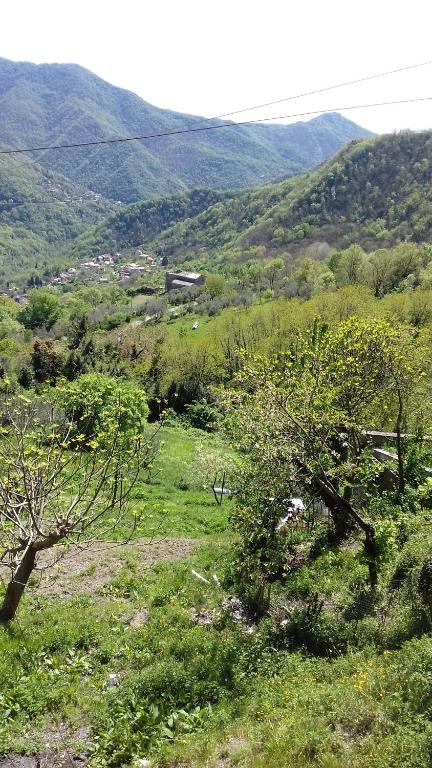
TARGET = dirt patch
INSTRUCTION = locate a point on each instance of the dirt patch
(62, 749)
(239, 612)
(139, 619)
(230, 752)
(204, 617)
(49, 760)
(84, 572)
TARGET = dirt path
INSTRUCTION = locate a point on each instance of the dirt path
(81, 572)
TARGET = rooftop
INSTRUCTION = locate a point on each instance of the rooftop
(187, 275)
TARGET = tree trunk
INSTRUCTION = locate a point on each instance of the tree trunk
(342, 509)
(17, 585)
(371, 556)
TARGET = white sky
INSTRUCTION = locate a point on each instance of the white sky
(211, 57)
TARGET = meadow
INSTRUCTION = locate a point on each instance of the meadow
(130, 656)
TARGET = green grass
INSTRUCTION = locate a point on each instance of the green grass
(205, 696)
(178, 499)
(333, 677)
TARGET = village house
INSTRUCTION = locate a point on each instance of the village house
(176, 280)
(131, 269)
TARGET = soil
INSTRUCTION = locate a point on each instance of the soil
(49, 760)
(55, 754)
(85, 571)
(230, 752)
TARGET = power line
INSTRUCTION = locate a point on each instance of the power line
(203, 128)
(356, 81)
(365, 79)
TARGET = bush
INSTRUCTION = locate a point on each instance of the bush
(202, 416)
(424, 583)
(99, 404)
(315, 631)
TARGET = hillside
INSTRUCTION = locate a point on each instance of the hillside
(375, 192)
(59, 103)
(40, 212)
(143, 221)
(156, 652)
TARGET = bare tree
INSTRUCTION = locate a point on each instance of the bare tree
(59, 487)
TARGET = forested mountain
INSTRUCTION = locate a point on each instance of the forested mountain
(141, 222)
(40, 213)
(375, 192)
(64, 103)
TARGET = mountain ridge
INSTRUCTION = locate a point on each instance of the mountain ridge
(376, 192)
(66, 103)
(40, 213)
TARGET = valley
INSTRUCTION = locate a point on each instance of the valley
(205, 559)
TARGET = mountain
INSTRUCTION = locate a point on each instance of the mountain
(376, 192)
(64, 103)
(41, 212)
(142, 222)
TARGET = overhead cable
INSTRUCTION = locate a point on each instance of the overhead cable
(203, 128)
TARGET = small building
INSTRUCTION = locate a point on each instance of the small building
(127, 270)
(176, 280)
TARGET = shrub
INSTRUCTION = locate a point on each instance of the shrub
(99, 404)
(202, 416)
(424, 583)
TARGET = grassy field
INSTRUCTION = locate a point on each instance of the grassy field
(126, 655)
(178, 499)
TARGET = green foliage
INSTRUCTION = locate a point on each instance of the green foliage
(203, 416)
(142, 222)
(64, 100)
(47, 362)
(42, 311)
(101, 407)
(299, 418)
(40, 212)
(425, 582)
(375, 193)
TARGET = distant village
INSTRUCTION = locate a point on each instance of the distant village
(96, 270)
(108, 268)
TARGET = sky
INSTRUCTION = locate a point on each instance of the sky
(208, 58)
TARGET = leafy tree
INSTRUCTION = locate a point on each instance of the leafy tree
(350, 266)
(215, 285)
(299, 418)
(47, 361)
(94, 402)
(78, 328)
(42, 311)
(10, 327)
(61, 486)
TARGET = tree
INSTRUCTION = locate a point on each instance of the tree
(94, 402)
(377, 271)
(60, 485)
(350, 266)
(42, 311)
(215, 285)
(47, 361)
(299, 419)
(78, 328)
